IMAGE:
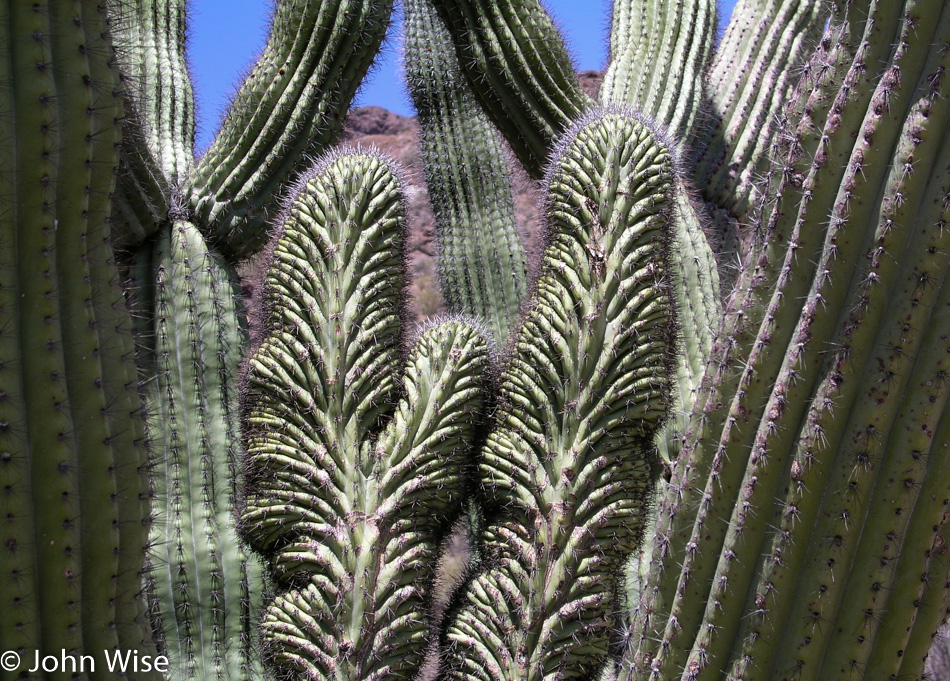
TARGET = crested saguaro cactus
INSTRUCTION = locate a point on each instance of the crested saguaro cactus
(801, 482)
(568, 467)
(356, 467)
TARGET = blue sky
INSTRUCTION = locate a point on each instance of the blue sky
(226, 36)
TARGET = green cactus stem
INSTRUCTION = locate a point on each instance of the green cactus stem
(198, 345)
(73, 495)
(159, 128)
(482, 268)
(520, 71)
(808, 558)
(355, 468)
(749, 87)
(659, 51)
(292, 105)
(567, 470)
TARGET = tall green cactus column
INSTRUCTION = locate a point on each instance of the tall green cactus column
(482, 267)
(355, 466)
(567, 469)
(74, 505)
(817, 550)
(200, 573)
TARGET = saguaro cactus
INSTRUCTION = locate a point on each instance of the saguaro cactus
(822, 555)
(800, 528)
(73, 490)
(350, 508)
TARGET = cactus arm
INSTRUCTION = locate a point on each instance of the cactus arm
(481, 262)
(159, 126)
(198, 344)
(352, 525)
(752, 79)
(292, 105)
(659, 53)
(658, 56)
(581, 398)
(333, 293)
(150, 41)
(380, 619)
(520, 71)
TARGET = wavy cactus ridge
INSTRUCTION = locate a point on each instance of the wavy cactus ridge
(351, 516)
(199, 340)
(482, 268)
(291, 106)
(603, 309)
(805, 392)
(71, 441)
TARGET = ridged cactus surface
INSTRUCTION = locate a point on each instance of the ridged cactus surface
(567, 469)
(355, 461)
(516, 63)
(800, 527)
(198, 564)
(73, 492)
(482, 267)
(822, 555)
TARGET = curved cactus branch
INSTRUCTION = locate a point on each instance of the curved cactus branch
(292, 105)
(520, 71)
